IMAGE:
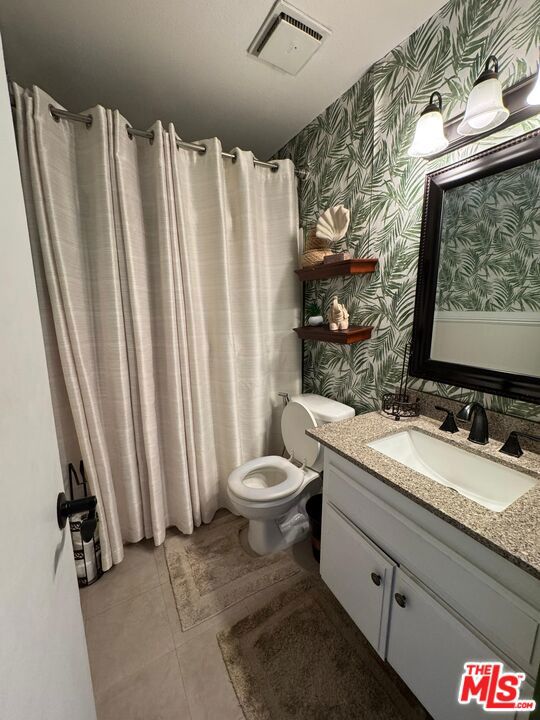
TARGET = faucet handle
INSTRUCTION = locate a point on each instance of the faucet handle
(512, 446)
(449, 423)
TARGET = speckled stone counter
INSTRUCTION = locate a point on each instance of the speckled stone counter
(513, 533)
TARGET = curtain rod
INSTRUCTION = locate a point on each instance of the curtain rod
(59, 114)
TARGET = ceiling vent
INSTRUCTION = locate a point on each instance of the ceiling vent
(287, 38)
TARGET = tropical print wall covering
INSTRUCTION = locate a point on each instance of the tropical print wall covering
(490, 244)
(356, 154)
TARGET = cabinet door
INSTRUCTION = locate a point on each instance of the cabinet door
(358, 573)
(428, 646)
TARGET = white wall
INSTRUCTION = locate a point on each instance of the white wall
(44, 673)
(496, 340)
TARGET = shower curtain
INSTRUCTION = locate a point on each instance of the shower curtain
(167, 294)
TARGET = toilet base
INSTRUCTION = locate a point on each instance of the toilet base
(272, 535)
(276, 526)
(265, 537)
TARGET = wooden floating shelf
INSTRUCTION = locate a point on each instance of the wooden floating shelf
(354, 266)
(354, 334)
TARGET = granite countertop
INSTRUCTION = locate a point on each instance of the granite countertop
(513, 533)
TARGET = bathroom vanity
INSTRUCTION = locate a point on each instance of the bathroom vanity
(432, 578)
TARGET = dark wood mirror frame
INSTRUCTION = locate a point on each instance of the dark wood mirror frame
(513, 153)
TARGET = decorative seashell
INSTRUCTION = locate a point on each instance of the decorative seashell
(333, 224)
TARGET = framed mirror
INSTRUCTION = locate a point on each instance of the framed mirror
(477, 312)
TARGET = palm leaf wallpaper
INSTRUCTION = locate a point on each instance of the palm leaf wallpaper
(356, 154)
(490, 244)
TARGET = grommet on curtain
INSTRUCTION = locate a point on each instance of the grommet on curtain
(58, 114)
(149, 135)
(53, 114)
(274, 167)
(234, 157)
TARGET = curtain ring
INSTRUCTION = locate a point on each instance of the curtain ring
(128, 130)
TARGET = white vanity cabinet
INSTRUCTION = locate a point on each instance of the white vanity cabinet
(359, 574)
(427, 646)
(427, 597)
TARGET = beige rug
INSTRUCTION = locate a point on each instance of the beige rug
(301, 657)
(211, 571)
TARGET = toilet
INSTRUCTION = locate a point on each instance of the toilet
(272, 491)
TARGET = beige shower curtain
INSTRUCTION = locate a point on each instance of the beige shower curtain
(167, 294)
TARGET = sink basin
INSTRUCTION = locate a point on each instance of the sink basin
(486, 482)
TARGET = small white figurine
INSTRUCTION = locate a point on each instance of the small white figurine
(338, 317)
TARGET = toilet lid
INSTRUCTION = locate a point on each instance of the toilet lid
(265, 478)
(296, 419)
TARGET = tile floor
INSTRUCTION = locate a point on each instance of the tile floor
(143, 666)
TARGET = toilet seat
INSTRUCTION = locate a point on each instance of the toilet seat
(295, 421)
(265, 478)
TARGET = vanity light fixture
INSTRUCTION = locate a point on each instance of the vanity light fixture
(485, 107)
(533, 98)
(429, 137)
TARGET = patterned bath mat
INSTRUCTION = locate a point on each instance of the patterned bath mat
(301, 657)
(211, 571)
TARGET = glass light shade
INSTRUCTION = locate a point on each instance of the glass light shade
(533, 98)
(429, 137)
(485, 107)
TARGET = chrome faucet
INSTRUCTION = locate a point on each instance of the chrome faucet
(479, 427)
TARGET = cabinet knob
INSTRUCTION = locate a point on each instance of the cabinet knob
(400, 599)
(376, 578)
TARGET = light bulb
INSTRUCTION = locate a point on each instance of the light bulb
(482, 120)
(485, 106)
(429, 137)
(533, 98)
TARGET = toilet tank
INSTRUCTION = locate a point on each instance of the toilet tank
(323, 409)
(296, 421)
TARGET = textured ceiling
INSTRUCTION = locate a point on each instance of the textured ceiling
(187, 62)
